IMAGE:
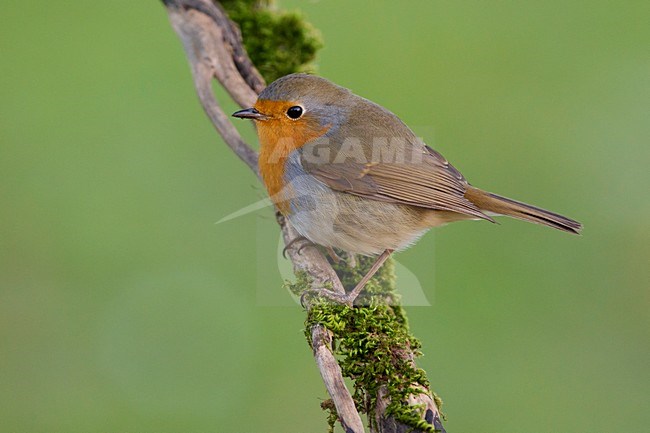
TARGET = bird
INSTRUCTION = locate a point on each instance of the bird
(347, 173)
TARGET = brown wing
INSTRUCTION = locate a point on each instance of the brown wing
(421, 177)
(430, 183)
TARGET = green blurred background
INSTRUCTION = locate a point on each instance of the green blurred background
(124, 308)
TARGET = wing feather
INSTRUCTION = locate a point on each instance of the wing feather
(427, 181)
(429, 184)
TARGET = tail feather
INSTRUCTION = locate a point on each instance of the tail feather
(486, 201)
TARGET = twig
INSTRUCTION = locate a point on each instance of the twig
(214, 49)
(206, 40)
(333, 379)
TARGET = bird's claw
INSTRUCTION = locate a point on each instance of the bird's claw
(295, 241)
(338, 298)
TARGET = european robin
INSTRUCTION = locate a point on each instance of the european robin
(349, 174)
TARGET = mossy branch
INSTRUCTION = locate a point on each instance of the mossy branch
(375, 349)
(278, 43)
(370, 344)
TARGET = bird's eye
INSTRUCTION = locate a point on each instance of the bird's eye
(294, 112)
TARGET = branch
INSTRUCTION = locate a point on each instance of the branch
(330, 371)
(209, 40)
(214, 49)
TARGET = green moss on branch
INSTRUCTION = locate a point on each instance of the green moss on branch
(278, 43)
(373, 343)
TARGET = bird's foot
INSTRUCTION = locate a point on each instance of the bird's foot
(328, 294)
(295, 241)
(348, 298)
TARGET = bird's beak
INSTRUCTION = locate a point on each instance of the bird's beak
(250, 113)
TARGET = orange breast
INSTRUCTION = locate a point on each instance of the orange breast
(278, 138)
